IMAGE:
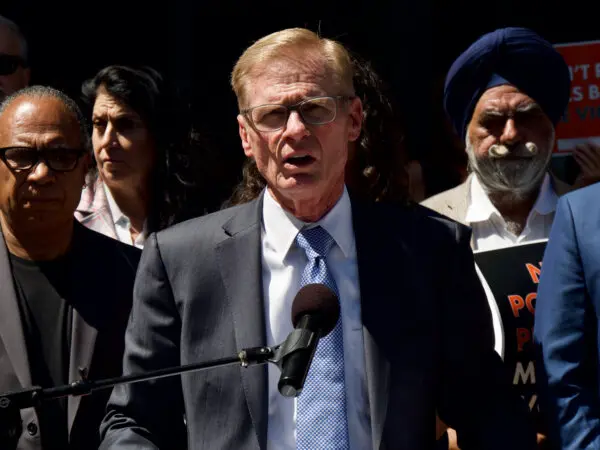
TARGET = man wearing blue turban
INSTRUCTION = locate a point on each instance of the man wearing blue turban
(504, 96)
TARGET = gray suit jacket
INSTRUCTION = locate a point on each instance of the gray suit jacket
(454, 202)
(103, 286)
(427, 332)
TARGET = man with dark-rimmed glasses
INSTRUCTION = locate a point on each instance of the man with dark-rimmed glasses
(14, 69)
(65, 291)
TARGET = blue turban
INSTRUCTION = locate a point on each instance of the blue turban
(515, 56)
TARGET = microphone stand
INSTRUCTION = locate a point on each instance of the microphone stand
(10, 402)
(33, 396)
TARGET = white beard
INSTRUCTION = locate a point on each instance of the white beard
(516, 178)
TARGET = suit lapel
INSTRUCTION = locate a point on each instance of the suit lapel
(11, 327)
(458, 203)
(239, 259)
(370, 248)
(83, 335)
(83, 339)
(463, 205)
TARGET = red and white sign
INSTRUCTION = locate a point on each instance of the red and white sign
(581, 122)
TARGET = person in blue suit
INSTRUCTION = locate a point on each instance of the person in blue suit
(566, 322)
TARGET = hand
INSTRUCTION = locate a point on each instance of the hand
(442, 428)
(587, 157)
(452, 440)
(542, 442)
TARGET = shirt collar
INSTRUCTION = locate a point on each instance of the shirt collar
(117, 215)
(282, 226)
(480, 207)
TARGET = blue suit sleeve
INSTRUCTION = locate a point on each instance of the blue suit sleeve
(564, 329)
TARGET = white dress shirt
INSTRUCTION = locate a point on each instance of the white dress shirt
(282, 266)
(122, 222)
(489, 228)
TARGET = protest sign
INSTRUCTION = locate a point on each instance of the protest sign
(510, 277)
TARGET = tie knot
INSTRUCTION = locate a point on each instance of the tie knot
(315, 241)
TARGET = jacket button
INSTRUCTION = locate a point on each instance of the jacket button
(32, 429)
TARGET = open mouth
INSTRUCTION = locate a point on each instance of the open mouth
(299, 161)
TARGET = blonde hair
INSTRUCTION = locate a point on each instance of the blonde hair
(288, 44)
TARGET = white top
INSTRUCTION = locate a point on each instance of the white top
(122, 223)
(282, 266)
(489, 228)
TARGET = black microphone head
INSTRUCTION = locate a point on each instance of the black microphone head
(319, 301)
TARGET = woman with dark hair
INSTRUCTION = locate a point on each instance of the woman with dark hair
(147, 176)
(376, 161)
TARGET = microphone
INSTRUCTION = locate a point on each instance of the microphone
(315, 312)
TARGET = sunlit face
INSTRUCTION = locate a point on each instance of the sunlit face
(40, 198)
(19, 78)
(509, 141)
(300, 162)
(123, 146)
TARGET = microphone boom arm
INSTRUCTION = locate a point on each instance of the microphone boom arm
(33, 396)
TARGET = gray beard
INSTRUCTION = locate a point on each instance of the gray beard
(510, 180)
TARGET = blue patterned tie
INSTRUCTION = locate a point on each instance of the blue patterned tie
(321, 421)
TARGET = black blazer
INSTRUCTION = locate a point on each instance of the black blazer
(104, 272)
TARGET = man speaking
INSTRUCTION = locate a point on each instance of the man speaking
(414, 333)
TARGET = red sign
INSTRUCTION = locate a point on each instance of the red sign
(581, 122)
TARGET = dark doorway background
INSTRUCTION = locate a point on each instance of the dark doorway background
(411, 43)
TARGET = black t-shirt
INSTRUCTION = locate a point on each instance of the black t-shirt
(43, 292)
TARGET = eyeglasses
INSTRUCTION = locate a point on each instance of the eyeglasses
(9, 64)
(313, 111)
(25, 158)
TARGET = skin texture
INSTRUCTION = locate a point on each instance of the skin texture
(509, 145)
(38, 203)
(125, 154)
(311, 188)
